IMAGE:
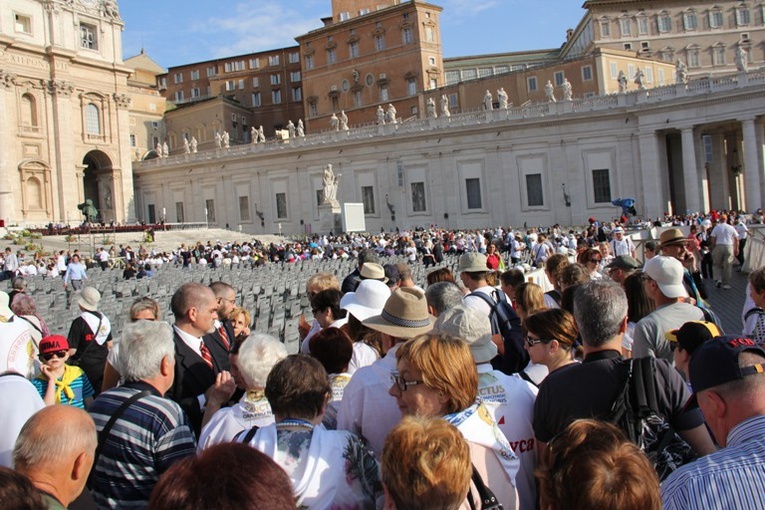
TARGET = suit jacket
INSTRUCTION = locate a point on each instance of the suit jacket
(217, 348)
(192, 378)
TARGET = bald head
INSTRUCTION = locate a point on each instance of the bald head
(188, 296)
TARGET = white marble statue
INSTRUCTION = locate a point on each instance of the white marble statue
(445, 106)
(488, 102)
(343, 121)
(742, 64)
(681, 72)
(390, 116)
(380, 116)
(253, 135)
(186, 146)
(502, 97)
(334, 122)
(218, 139)
(640, 79)
(550, 91)
(165, 150)
(291, 129)
(261, 135)
(431, 108)
(567, 92)
(300, 129)
(330, 182)
(622, 80)
(158, 148)
(226, 140)
(193, 145)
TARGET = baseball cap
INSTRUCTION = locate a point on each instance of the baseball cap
(53, 343)
(692, 334)
(716, 362)
(470, 325)
(624, 262)
(667, 272)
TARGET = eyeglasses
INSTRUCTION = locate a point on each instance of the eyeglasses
(401, 383)
(531, 342)
(232, 301)
(597, 261)
(50, 355)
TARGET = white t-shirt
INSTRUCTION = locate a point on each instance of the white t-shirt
(19, 400)
(363, 356)
(18, 352)
(724, 234)
(253, 410)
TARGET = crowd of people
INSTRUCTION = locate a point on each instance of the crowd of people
(613, 387)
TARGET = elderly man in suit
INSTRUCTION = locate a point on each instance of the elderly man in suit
(200, 375)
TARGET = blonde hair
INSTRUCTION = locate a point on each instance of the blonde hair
(323, 281)
(530, 297)
(446, 365)
(426, 464)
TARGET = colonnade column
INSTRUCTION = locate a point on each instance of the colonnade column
(690, 172)
(753, 169)
(649, 170)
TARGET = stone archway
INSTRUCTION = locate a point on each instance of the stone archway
(98, 184)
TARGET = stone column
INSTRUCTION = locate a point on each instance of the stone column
(753, 170)
(690, 171)
(7, 210)
(653, 194)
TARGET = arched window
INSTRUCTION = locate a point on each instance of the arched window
(92, 119)
(28, 110)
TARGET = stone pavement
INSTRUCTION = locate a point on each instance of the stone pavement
(728, 304)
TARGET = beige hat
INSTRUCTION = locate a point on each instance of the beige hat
(672, 236)
(373, 271)
(471, 326)
(405, 315)
(473, 262)
(5, 310)
(89, 299)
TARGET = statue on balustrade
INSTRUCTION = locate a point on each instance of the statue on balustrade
(502, 98)
(488, 101)
(300, 128)
(193, 145)
(550, 91)
(622, 80)
(218, 140)
(334, 122)
(431, 108)
(567, 92)
(681, 72)
(343, 121)
(445, 106)
(742, 64)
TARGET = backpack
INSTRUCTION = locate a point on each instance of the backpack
(505, 322)
(636, 412)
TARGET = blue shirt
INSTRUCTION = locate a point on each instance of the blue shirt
(733, 477)
(75, 271)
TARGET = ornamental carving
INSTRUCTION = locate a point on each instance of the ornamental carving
(122, 100)
(7, 79)
(60, 87)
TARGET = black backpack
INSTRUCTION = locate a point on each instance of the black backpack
(505, 322)
(636, 412)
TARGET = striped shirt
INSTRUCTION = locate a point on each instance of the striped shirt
(81, 389)
(730, 478)
(144, 442)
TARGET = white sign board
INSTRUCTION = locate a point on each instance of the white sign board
(353, 218)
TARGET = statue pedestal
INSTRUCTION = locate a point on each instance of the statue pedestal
(330, 219)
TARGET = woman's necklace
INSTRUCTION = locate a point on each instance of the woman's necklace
(293, 422)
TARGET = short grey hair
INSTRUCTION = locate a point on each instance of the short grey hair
(599, 309)
(257, 356)
(443, 295)
(143, 345)
(51, 436)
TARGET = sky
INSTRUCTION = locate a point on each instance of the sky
(177, 32)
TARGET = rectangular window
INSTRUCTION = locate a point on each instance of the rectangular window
(281, 205)
(255, 99)
(276, 96)
(664, 22)
(88, 36)
(383, 93)
(132, 140)
(353, 50)
(431, 61)
(179, 212)
(379, 43)
(163, 82)
(178, 95)
(344, 16)
(411, 87)
(297, 94)
(195, 74)
(661, 76)
(211, 72)
(230, 85)
(273, 60)
(614, 70)
(418, 197)
(605, 29)
(531, 83)
(648, 75)
(363, 12)
(319, 197)
(586, 73)
(313, 110)
(625, 27)
(715, 19)
(294, 57)
(195, 93)
(501, 69)
(295, 76)
(601, 186)
(23, 24)
(709, 152)
(256, 82)
(452, 77)
(483, 72)
(742, 16)
(718, 55)
(244, 208)
(559, 78)
(368, 199)
(693, 58)
(534, 192)
(331, 56)
(254, 63)
(453, 101)
(430, 34)
(469, 74)
(228, 67)
(309, 62)
(210, 210)
(178, 78)
(357, 99)
(276, 79)
(406, 36)
(690, 21)
(473, 189)
(630, 71)
(642, 23)
(241, 84)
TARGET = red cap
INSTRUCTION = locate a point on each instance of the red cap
(53, 343)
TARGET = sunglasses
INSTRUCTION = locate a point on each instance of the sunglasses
(401, 383)
(50, 355)
(531, 342)
(596, 261)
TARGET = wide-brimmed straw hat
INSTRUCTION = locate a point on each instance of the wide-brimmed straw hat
(405, 315)
(672, 236)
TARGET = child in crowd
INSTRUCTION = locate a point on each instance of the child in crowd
(59, 383)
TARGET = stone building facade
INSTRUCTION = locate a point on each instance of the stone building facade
(147, 106)
(64, 105)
